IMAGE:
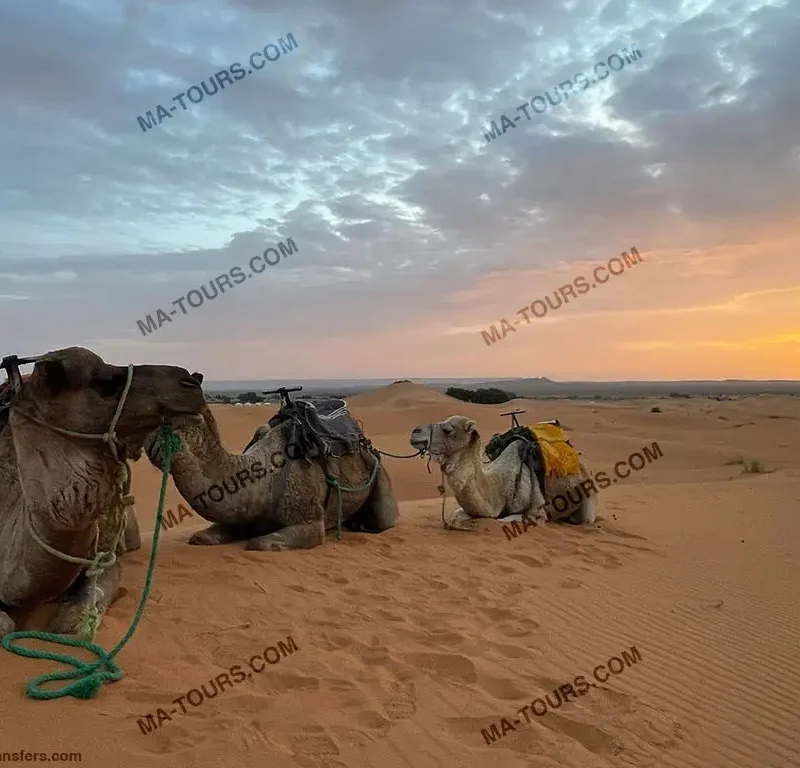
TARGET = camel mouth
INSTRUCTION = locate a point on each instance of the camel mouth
(172, 415)
(420, 439)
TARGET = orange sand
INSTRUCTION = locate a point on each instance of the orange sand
(412, 641)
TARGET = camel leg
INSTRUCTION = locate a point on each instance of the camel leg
(71, 609)
(215, 534)
(6, 623)
(380, 511)
(133, 539)
(299, 536)
(459, 521)
(585, 514)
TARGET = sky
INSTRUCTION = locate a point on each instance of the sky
(366, 144)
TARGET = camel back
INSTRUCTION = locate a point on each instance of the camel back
(319, 427)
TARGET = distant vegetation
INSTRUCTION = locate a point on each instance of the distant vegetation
(486, 396)
(249, 397)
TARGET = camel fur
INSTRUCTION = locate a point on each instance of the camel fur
(503, 488)
(63, 486)
(268, 500)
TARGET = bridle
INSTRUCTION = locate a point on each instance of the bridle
(109, 436)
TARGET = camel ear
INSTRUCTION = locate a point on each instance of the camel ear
(198, 377)
(470, 426)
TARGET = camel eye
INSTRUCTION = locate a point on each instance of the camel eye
(447, 428)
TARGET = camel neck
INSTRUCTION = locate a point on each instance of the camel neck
(66, 484)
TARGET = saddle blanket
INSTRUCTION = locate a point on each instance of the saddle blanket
(560, 458)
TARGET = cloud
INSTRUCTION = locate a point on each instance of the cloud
(365, 146)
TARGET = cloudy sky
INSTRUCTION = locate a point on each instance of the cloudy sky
(365, 144)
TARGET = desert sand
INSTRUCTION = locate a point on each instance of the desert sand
(411, 642)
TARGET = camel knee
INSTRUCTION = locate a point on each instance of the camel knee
(72, 611)
(133, 539)
(214, 534)
(6, 624)
(302, 536)
(585, 515)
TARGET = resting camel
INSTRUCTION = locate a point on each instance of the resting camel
(266, 499)
(56, 488)
(504, 487)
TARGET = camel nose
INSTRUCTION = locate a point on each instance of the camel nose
(419, 437)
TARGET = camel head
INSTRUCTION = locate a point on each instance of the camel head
(189, 427)
(74, 389)
(445, 440)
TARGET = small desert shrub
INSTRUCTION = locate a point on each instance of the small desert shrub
(753, 467)
(655, 409)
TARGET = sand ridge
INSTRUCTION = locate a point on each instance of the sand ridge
(413, 641)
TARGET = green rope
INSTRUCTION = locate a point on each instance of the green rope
(89, 676)
(334, 483)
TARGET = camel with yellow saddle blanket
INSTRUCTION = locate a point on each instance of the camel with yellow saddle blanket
(531, 468)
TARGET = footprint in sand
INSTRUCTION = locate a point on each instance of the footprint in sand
(314, 744)
(544, 562)
(400, 709)
(452, 666)
(588, 736)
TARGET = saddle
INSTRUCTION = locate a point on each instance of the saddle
(546, 450)
(10, 388)
(319, 427)
(5, 405)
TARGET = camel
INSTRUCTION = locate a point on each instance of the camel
(503, 488)
(264, 497)
(70, 427)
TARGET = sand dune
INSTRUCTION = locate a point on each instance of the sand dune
(410, 643)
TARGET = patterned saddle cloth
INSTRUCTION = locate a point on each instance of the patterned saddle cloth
(560, 458)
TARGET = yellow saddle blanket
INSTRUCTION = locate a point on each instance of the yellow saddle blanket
(560, 458)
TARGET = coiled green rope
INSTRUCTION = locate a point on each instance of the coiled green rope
(89, 676)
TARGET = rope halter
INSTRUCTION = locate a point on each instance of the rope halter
(109, 436)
